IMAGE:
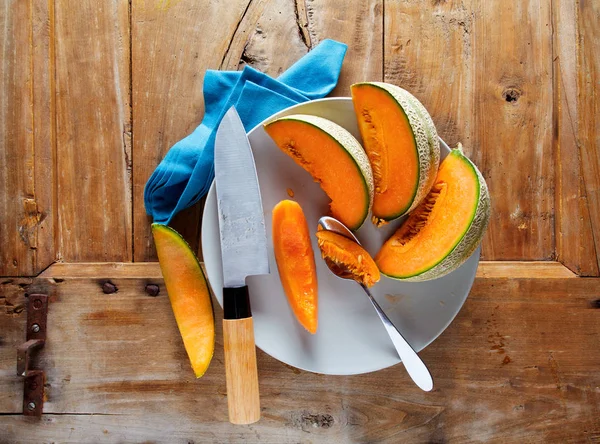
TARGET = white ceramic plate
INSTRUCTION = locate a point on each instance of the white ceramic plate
(350, 338)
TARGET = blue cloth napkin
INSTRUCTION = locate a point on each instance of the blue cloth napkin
(186, 172)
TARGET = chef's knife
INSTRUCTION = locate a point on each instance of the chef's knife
(244, 253)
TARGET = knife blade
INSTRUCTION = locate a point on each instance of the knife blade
(244, 253)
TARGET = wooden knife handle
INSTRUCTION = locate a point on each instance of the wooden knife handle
(243, 399)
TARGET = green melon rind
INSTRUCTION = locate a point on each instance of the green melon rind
(471, 237)
(426, 141)
(349, 144)
(434, 148)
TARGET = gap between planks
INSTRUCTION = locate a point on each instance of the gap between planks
(486, 270)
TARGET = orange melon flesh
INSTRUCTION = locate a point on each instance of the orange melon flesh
(455, 195)
(189, 296)
(348, 256)
(391, 148)
(329, 164)
(296, 262)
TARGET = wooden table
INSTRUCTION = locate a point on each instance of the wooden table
(93, 94)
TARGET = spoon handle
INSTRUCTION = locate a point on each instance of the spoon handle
(414, 365)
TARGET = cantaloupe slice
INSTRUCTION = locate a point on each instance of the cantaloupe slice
(348, 257)
(444, 229)
(402, 145)
(334, 158)
(189, 296)
(296, 262)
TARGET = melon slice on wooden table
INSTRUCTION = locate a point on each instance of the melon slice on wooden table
(402, 145)
(334, 158)
(189, 295)
(296, 262)
(445, 229)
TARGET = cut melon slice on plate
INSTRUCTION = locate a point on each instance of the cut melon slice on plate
(445, 229)
(334, 158)
(189, 296)
(402, 145)
(296, 262)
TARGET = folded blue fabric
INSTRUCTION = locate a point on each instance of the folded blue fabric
(186, 172)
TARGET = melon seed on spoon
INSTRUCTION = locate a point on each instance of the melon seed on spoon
(347, 259)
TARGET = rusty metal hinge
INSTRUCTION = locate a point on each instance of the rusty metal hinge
(33, 392)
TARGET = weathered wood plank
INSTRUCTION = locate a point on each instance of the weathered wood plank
(357, 23)
(93, 118)
(286, 30)
(27, 212)
(521, 270)
(512, 126)
(129, 270)
(588, 82)
(486, 269)
(429, 52)
(173, 44)
(120, 358)
(12, 334)
(574, 229)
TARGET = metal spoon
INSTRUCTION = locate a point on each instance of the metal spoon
(412, 362)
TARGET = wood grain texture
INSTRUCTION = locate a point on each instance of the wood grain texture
(93, 119)
(512, 122)
(357, 23)
(173, 44)
(521, 270)
(287, 30)
(27, 206)
(104, 270)
(588, 80)
(243, 399)
(429, 52)
(515, 366)
(576, 70)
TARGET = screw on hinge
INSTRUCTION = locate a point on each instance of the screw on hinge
(35, 328)
(31, 406)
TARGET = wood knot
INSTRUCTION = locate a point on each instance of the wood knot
(307, 421)
(511, 94)
(595, 304)
(318, 421)
(109, 288)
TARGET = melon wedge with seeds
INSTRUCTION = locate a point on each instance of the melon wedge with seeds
(445, 229)
(189, 295)
(334, 158)
(402, 145)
